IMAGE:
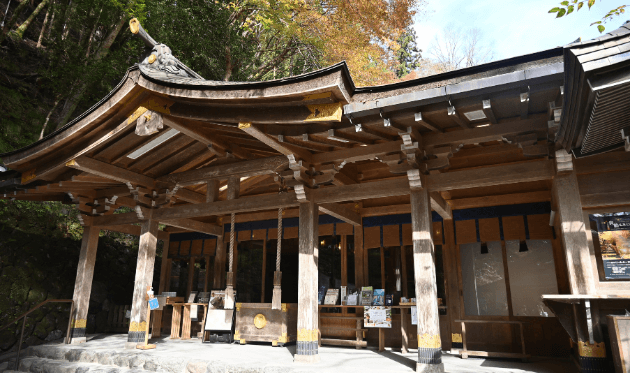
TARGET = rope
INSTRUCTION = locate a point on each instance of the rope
(232, 241)
(279, 245)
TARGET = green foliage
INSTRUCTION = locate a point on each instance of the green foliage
(409, 55)
(567, 8)
(39, 251)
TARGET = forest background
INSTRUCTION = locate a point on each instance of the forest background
(60, 57)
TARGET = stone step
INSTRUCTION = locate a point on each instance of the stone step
(59, 358)
(39, 365)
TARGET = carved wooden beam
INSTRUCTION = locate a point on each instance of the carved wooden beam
(215, 143)
(342, 136)
(439, 205)
(109, 171)
(255, 167)
(422, 121)
(195, 226)
(483, 134)
(122, 175)
(487, 110)
(342, 213)
(452, 112)
(282, 148)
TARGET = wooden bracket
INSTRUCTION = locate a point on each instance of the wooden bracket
(415, 179)
(452, 112)
(302, 194)
(555, 112)
(442, 155)
(564, 161)
(487, 110)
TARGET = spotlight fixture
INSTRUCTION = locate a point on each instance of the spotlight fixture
(484, 248)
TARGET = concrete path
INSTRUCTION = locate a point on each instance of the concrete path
(264, 358)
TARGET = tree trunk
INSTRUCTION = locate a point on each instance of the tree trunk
(41, 34)
(41, 135)
(19, 33)
(72, 101)
(14, 18)
(5, 14)
(228, 63)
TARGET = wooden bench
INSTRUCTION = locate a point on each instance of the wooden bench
(464, 352)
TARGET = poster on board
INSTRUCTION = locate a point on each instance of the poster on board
(377, 317)
(614, 244)
(218, 318)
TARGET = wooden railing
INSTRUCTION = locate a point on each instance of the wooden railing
(23, 316)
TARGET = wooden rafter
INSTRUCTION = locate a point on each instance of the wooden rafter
(282, 148)
(215, 142)
(255, 167)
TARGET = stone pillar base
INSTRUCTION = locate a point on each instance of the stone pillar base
(429, 368)
(309, 359)
(77, 340)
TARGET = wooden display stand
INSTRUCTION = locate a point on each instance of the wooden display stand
(334, 324)
(257, 322)
(465, 352)
(619, 330)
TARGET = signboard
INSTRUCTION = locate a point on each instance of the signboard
(377, 317)
(218, 318)
(614, 245)
(414, 315)
(153, 304)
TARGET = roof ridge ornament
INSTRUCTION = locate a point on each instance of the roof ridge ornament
(161, 59)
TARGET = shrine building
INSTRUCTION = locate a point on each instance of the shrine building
(491, 203)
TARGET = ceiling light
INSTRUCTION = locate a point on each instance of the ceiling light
(483, 125)
(153, 143)
(475, 115)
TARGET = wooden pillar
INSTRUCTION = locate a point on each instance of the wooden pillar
(307, 350)
(453, 303)
(572, 229)
(191, 277)
(359, 257)
(212, 195)
(144, 278)
(264, 272)
(573, 233)
(169, 267)
(164, 278)
(429, 343)
(206, 278)
(156, 330)
(83, 283)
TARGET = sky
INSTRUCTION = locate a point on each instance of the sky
(514, 28)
